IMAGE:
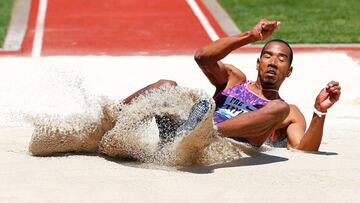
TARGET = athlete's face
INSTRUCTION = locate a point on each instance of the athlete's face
(274, 65)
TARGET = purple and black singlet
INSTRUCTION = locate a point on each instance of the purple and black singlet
(237, 100)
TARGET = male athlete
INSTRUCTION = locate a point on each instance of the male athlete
(253, 111)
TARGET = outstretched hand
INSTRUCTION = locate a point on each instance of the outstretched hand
(264, 28)
(328, 96)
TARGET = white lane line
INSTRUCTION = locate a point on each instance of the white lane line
(17, 27)
(203, 20)
(222, 17)
(39, 29)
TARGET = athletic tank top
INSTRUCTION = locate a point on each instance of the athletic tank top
(238, 100)
(235, 101)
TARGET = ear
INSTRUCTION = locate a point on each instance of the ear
(289, 71)
(257, 64)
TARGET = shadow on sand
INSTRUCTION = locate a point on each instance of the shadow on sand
(324, 153)
(327, 153)
(316, 153)
(258, 159)
(252, 160)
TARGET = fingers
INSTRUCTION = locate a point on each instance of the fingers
(332, 83)
(268, 25)
(332, 86)
(335, 95)
(264, 28)
(278, 23)
(334, 90)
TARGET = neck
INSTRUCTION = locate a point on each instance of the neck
(269, 93)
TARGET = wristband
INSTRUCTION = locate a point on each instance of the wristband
(319, 113)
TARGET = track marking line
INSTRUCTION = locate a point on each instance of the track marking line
(17, 26)
(203, 20)
(222, 17)
(39, 29)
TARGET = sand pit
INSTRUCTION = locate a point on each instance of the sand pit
(274, 175)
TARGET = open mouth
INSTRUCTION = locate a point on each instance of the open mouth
(271, 72)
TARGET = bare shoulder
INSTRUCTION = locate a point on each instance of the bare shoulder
(295, 115)
(235, 75)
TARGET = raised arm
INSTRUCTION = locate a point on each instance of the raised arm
(311, 140)
(208, 57)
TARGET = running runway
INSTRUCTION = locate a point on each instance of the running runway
(129, 28)
(112, 27)
(74, 51)
(126, 27)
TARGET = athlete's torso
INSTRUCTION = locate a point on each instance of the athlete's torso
(235, 101)
(238, 100)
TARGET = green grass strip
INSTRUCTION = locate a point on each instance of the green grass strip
(5, 15)
(302, 21)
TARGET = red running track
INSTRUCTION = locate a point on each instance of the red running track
(117, 27)
(121, 27)
(127, 27)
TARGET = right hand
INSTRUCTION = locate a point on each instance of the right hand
(328, 96)
(264, 28)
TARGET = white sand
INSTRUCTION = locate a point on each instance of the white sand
(65, 85)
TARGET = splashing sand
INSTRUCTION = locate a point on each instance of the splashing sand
(133, 133)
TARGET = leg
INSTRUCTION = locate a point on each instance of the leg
(197, 114)
(149, 87)
(166, 124)
(170, 128)
(257, 125)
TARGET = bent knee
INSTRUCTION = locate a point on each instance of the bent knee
(166, 82)
(279, 108)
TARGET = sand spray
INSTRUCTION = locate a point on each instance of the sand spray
(74, 120)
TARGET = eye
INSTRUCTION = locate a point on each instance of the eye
(282, 58)
(266, 55)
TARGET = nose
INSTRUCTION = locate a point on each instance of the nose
(273, 61)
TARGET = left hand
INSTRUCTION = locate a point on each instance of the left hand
(328, 96)
(264, 28)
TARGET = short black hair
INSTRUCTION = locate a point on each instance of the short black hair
(281, 41)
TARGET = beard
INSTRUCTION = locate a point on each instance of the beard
(269, 82)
